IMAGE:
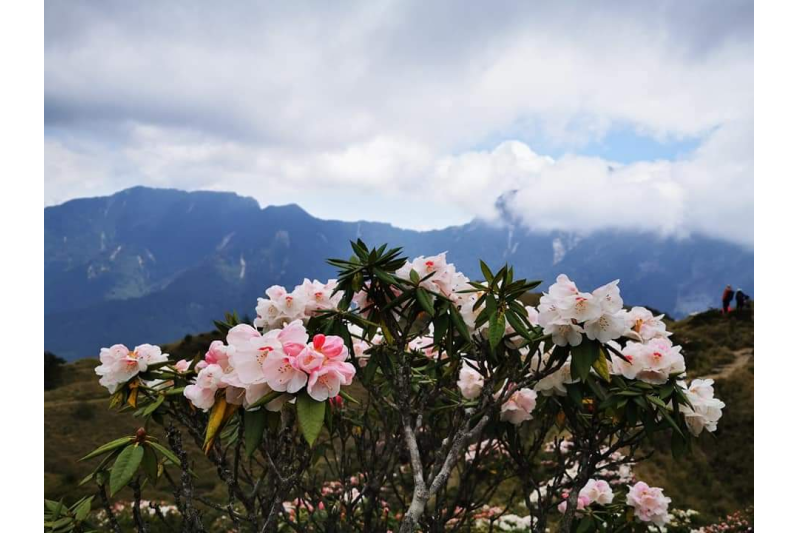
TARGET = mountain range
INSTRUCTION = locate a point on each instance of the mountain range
(151, 265)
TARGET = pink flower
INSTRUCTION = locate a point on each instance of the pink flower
(280, 366)
(324, 362)
(470, 381)
(649, 503)
(518, 408)
(598, 491)
(202, 392)
(282, 374)
(182, 365)
(217, 354)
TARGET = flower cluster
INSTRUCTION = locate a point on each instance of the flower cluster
(567, 313)
(442, 277)
(281, 307)
(119, 364)
(705, 410)
(281, 360)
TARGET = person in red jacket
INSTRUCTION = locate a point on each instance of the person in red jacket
(727, 297)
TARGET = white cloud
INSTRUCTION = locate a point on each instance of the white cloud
(385, 102)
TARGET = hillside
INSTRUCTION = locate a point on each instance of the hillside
(716, 479)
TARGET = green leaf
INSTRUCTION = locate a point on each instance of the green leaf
(586, 525)
(107, 447)
(254, 424)
(125, 466)
(518, 325)
(311, 416)
(53, 506)
(150, 464)
(458, 320)
(82, 508)
(678, 444)
(583, 356)
(487, 272)
(600, 366)
(414, 277)
(497, 327)
(425, 301)
(668, 418)
(154, 405)
(166, 453)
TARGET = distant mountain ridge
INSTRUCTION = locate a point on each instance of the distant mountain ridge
(150, 265)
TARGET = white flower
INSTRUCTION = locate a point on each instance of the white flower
(519, 406)
(598, 491)
(580, 307)
(555, 382)
(470, 381)
(606, 327)
(705, 410)
(643, 326)
(319, 296)
(564, 332)
(118, 364)
(611, 323)
(444, 279)
(562, 288)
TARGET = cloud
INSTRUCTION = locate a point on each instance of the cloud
(388, 102)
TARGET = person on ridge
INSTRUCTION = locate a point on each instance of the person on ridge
(727, 296)
(741, 299)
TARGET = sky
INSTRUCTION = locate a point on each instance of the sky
(577, 116)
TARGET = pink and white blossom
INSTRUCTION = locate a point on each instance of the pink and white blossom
(118, 364)
(519, 406)
(649, 503)
(203, 391)
(651, 362)
(596, 491)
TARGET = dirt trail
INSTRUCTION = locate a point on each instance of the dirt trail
(743, 357)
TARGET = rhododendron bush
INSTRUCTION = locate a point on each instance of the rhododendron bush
(403, 396)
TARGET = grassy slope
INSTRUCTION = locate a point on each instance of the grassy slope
(715, 479)
(77, 420)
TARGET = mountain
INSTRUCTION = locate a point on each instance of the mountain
(150, 265)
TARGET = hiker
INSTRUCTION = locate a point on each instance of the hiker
(741, 299)
(727, 296)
